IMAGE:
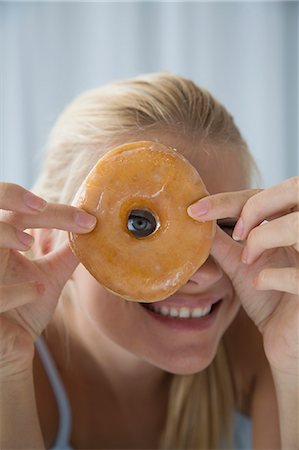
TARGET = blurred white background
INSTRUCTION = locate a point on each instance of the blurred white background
(245, 53)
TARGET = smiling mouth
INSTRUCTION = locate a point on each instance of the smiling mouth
(182, 312)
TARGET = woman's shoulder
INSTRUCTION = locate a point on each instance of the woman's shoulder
(247, 359)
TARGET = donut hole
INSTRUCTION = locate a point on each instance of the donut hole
(142, 223)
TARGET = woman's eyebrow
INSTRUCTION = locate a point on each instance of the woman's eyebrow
(227, 221)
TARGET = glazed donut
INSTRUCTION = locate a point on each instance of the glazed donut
(144, 246)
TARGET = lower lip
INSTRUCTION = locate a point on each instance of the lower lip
(201, 323)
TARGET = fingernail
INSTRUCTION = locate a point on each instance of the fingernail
(198, 209)
(24, 238)
(85, 220)
(238, 230)
(34, 202)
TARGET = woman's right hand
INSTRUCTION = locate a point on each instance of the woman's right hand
(30, 289)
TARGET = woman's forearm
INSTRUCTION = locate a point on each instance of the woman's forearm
(19, 422)
(287, 390)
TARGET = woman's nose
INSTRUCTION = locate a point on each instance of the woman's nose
(208, 274)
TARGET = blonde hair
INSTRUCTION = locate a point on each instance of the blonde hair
(200, 405)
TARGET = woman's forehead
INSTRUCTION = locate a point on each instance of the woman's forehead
(222, 168)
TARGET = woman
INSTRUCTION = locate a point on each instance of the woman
(132, 381)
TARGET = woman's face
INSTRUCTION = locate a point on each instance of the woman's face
(178, 349)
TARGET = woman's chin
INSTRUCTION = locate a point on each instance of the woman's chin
(186, 363)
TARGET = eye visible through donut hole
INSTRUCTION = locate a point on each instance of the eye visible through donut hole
(141, 223)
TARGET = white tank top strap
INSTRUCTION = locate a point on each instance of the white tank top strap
(65, 417)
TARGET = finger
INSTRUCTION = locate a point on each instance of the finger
(267, 203)
(10, 237)
(59, 264)
(15, 198)
(59, 216)
(281, 232)
(220, 206)
(285, 280)
(227, 253)
(15, 295)
(256, 204)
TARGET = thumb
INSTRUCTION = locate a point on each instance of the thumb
(227, 253)
(59, 264)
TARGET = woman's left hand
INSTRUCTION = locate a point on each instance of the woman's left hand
(263, 265)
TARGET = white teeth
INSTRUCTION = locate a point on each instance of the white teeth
(174, 312)
(164, 311)
(182, 313)
(200, 312)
